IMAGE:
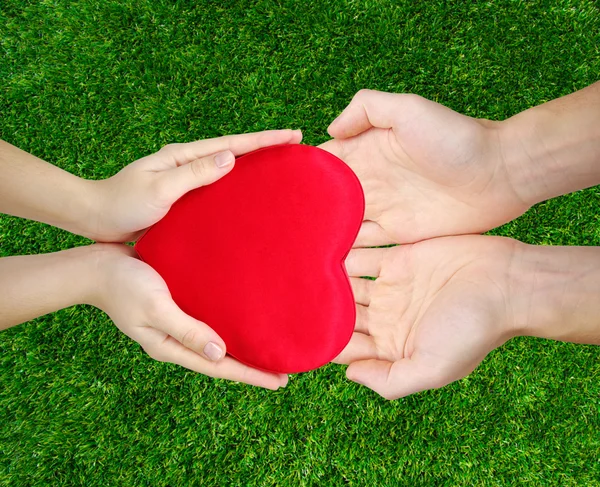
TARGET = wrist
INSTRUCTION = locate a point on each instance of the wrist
(34, 285)
(99, 262)
(554, 149)
(555, 293)
(90, 210)
(524, 158)
(76, 209)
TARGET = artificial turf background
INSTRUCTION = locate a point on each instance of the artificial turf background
(91, 86)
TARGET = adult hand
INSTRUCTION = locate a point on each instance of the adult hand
(437, 308)
(143, 192)
(137, 299)
(426, 170)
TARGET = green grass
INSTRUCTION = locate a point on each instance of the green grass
(91, 86)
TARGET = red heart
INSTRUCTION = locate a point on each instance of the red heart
(259, 256)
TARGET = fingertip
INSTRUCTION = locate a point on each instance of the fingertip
(214, 351)
(352, 121)
(273, 384)
(224, 159)
(284, 379)
(353, 373)
(213, 339)
(334, 127)
(220, 342)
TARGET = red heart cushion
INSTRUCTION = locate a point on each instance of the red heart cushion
(259, 256)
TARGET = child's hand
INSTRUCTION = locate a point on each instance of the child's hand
(143, 192)
(138, 301)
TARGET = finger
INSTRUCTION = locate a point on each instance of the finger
(189, 332)
(364, 262)
(372, 235)
(362, 319)
(228, 368)
(334, 147)
(360, 347)
(174, 183)
(237, 144)
(361, 288)
(394, 379)
(367, 109)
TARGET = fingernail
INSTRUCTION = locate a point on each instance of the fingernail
(223, 159)
(213, 351)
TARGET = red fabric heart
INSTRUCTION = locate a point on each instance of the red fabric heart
(259, 256)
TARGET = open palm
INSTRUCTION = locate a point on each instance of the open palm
(426, 170)
(436, 309)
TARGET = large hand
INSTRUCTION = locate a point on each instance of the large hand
(143, 192)
(426, 170)
(437, 308)
(138, 301)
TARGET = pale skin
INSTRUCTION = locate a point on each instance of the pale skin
(428, 171)
(438, 306)
(441, 303)
(109, 275)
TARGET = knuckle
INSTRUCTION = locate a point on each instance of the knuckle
(192, 339)
(199, 169)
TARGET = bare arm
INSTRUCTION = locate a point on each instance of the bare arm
(555, 293)
(554, 148)
(33, 189)
(439, 306)
(135, 297)
(118, 209)
(34, 285)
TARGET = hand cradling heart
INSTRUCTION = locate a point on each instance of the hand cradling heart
(259, 256)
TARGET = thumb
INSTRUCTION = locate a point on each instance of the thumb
(197, 173)
(191, 333)
(334, 147)
(395, 379)
(367, 109)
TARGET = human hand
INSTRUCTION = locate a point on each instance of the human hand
(437, 308)
(142, 193)
(426, 170)
(137, 299)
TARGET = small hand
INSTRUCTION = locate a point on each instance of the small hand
(137, 299)
(426, 170)
(437, 308)
(143, 192)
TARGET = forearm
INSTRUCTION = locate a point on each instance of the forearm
(33, 189)
(556, 293)
(33, 285)
(554, 148)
